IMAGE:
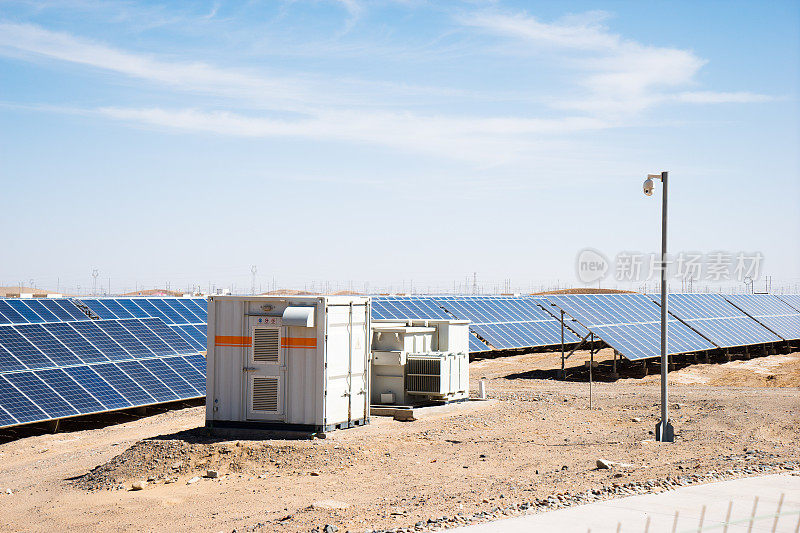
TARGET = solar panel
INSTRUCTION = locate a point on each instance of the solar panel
(67, 388)
(69, 337)
(22, 349)
(198, 307)
(792, 299)
(123, 337)
(189, 310)
(56, 352)
(154, 386)
(100, 340)
(717, 320)
(10, 314)
(90, 380)
(774, 313)
(18, 405)
(198, 336)
(189, 339)
(148, 307)
(28, 313)
(8, 362)
(97, 307)
(629, 323)
(146, 336)
(170, 378)
(188, 372)
(38, 307)
(40, 394)
(168, 335)
(168, 311)
(72, 309)
(115, 307)
(123, 384)
(56, 310)
(131, 307)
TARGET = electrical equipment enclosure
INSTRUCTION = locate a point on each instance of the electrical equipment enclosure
(298, 363)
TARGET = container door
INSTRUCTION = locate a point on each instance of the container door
(265, 373)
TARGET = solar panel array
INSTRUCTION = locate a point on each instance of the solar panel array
(56, 361)
(630, 323)
(496, 322)
(717, 319)
(772, 311)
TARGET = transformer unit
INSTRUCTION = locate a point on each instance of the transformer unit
(288, 362)
(417, 361)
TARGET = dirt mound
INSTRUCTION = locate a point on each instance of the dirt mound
(583, 290)
(167, 459)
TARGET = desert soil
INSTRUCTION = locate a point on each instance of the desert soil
(536, 438)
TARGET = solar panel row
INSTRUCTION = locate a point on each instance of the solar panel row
(38, 310)
(170, 310)
(40, 395)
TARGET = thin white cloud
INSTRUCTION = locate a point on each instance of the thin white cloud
(620, 76)
(484, 140)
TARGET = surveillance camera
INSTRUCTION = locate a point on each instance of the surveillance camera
(648, 187)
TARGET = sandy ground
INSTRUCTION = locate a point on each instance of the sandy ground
(539, 438)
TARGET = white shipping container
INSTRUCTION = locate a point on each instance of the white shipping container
(288, 362)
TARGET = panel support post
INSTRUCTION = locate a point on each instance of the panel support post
(562, 375)
(591, 364)
(664, 430)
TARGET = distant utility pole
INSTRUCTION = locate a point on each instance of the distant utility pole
(474, 283)
(95, 273)
(253, 270)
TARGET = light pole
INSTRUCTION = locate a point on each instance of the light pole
(664, 430)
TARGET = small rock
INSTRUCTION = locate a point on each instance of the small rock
(150, 479)
(329, 529)
(262, 476)
(313, 474)
(8, 491)
(636, 419)
(602, 464)
(212, 474)
(329, 504)
(195, 479)
(176, 465)
(138, 485)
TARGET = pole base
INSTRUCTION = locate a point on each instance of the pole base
(668, 433)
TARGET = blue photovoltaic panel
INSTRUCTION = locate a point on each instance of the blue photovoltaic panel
(28, 313)
(170, 378)
(166, 310)
(22, 349)
(147, 337)
(77, 344)
(771, 311)
(56, 310)
(123, 337)
(17, 405)
(203, 330)
(198, 307)
(5, 418)
(475, 345)
(197, 361)
(115, 307)
(4, 320)
(123, 384)
(38, 307)
(48, 344)
(629, 323)
(717, 320)
(168, 335)
(70, 307)
(70, 390)
(131, 307)
(11, 316)
(92, 381)
(190, 309)
(188, 338)
(187, 317)
(148, 307)
(188, 372)
(107, 346)
(198, 336)
(39, 393)
(8, 362)
(148, 381)
(97, 307)
(792, 299)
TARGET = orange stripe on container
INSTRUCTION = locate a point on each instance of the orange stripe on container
(231, 340)
(297, 342)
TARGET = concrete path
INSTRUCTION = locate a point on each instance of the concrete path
(630, 515)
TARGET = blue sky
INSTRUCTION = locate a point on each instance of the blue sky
(383, 142)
